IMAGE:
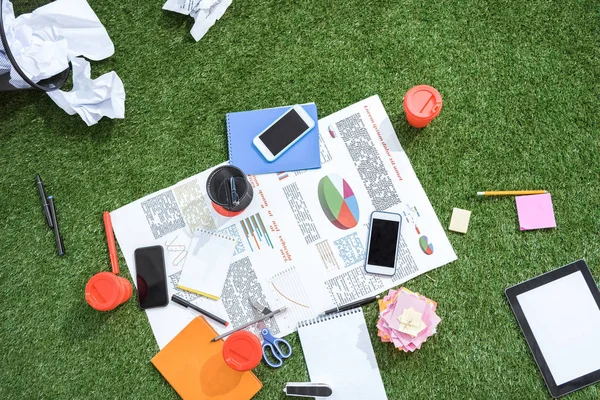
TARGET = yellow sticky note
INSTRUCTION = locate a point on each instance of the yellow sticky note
(411, 322)
(460, 220)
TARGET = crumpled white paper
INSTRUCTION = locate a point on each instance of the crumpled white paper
(92, 99)
(204, 12)
(44, 41)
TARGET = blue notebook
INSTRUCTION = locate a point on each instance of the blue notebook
(243, 126)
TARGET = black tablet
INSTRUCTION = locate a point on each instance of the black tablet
(559, 314)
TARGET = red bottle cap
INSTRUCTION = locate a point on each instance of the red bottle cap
(242, 351)
(422, 104)
(103, 291)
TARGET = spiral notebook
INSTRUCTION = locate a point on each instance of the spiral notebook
(207, 263)
(338, 352)
(243, 126)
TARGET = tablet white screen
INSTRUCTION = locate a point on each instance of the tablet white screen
(565, 321)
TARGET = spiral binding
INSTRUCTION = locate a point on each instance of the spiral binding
(228, 139)
(329, 317)
(213, 233)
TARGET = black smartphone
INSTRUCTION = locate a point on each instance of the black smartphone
(151, 277)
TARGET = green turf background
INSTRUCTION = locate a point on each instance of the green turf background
(520, 82)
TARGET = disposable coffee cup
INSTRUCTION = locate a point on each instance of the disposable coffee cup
(422, 104)
(242, 351)
(106, 291)
(229, 190)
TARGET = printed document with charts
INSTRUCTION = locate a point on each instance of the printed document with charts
(302, 241)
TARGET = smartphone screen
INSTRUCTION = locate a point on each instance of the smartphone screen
(384, 239)
(151, 277)
(283, 132)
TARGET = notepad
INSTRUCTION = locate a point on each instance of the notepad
(243, 126)
(535, 212)
(338, 352)
(195, 367)
(207, 263)
(559, 313)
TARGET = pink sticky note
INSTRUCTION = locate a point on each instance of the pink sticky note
(535, 212)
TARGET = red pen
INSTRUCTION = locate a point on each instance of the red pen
(110, 239)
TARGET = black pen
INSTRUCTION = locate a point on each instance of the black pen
(349, 306)
(45, 207)
(235, 198)
(186, 303)
(60, 246)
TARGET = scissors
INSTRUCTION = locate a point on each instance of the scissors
(279, 348)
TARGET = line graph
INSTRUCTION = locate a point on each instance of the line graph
(287, 298)
(287, 290)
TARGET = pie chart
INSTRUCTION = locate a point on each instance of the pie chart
(338, 201)
(425, 245)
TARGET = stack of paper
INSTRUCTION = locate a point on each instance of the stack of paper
(407, 319)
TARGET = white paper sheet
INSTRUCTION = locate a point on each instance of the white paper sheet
(204, 12)
(8, 13)
(209, 11)
(565, 320)
(92, 99)
(185, 7)
(290, 253)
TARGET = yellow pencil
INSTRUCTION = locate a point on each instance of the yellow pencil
(511, 192)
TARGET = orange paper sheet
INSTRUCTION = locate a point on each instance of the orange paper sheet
(194, 366)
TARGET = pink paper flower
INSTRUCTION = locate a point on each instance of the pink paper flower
(407, 319)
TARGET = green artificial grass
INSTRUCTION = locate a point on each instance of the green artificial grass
(521, 87)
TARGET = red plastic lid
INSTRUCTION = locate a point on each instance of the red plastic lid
(224, 212)
(423, 101)
(242, 351)
(103, 292)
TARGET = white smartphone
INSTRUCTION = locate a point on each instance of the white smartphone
(278, 137)
(382, 250)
